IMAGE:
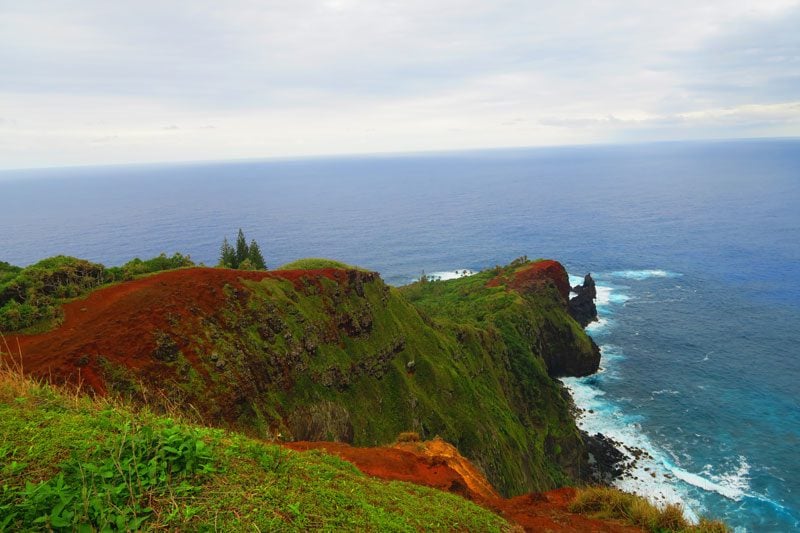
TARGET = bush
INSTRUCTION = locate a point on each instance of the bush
(137, 267)
(32, 294)
(408, 436)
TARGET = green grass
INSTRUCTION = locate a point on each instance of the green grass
(69, 462)
(313, 263)
(328, 360)
(610, 503)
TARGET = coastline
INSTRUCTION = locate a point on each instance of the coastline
(624, 456)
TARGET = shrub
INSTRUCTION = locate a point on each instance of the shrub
(611, 503)
(408, 436)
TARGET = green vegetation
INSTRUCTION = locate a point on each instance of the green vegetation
(243, 256)
(72, 463)
(137, 267)
(348, 358)
(30, 296)
(609, 503)
(314, 263)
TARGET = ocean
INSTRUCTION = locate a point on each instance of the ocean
(695, 248)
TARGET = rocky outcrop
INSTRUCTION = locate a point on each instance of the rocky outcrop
(581, 306)
(606, 461)
(565, 354)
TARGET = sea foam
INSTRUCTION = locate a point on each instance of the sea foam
(448, 274)
(643, 274)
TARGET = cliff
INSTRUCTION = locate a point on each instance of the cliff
(336, 354)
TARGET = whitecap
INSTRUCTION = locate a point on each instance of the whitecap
(575, 280)
(448, 274)
(598, 326)
(618, 298)
(644, 274)
(733, 485)
(649, 474)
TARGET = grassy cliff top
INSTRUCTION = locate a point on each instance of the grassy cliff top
(69, 462)
(314, 263)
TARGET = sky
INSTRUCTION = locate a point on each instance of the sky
(99, 82)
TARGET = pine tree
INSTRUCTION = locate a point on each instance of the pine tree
(255, 257)
(227, 255)
(241, 248)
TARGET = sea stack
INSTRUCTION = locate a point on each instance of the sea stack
(581, 306)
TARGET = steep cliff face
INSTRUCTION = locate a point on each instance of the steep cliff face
(564, 347)
(334, 354)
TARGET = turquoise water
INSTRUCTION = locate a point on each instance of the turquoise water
(696, 248)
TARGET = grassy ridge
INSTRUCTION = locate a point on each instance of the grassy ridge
(354, 360)
(68, 462)
(357, 361)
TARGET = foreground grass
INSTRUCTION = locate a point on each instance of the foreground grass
(69, 462)
(610, 503)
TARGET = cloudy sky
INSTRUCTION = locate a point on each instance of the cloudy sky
(98, 81)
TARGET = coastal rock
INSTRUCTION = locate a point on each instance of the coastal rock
(564, 355)
(606, 461)
(582, 306)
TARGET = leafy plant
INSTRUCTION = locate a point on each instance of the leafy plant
(111, 490)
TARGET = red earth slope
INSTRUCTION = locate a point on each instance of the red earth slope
(438, 464)
(118, 321)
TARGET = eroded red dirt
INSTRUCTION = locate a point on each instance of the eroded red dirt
(438, 464)
(118, 322)
(533, 273)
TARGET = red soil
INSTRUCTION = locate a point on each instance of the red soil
(438, 464)
(118, 322)
(534, 273)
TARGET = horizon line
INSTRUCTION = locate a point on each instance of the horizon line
(399, 153)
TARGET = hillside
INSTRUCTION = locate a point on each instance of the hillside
(335, 354)
(71, 463)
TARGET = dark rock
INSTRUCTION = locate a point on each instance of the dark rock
(563, 355)
(606, 461)
(166, 348)
(582, 306)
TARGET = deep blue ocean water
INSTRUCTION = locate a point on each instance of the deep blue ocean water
(696, 247)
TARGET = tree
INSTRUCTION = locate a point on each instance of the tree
(255, 257)
(242, 256)
(227, 255)
(242, 251)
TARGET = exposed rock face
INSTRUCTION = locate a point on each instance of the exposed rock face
(581, 306)
(606, 461)
(564, 355)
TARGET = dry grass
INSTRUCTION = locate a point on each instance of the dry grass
(16, 386)
(408, 436)
(610, 503)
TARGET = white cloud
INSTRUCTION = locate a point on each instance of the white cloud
(99, 82)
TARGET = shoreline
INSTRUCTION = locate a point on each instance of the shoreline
(622, 454)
